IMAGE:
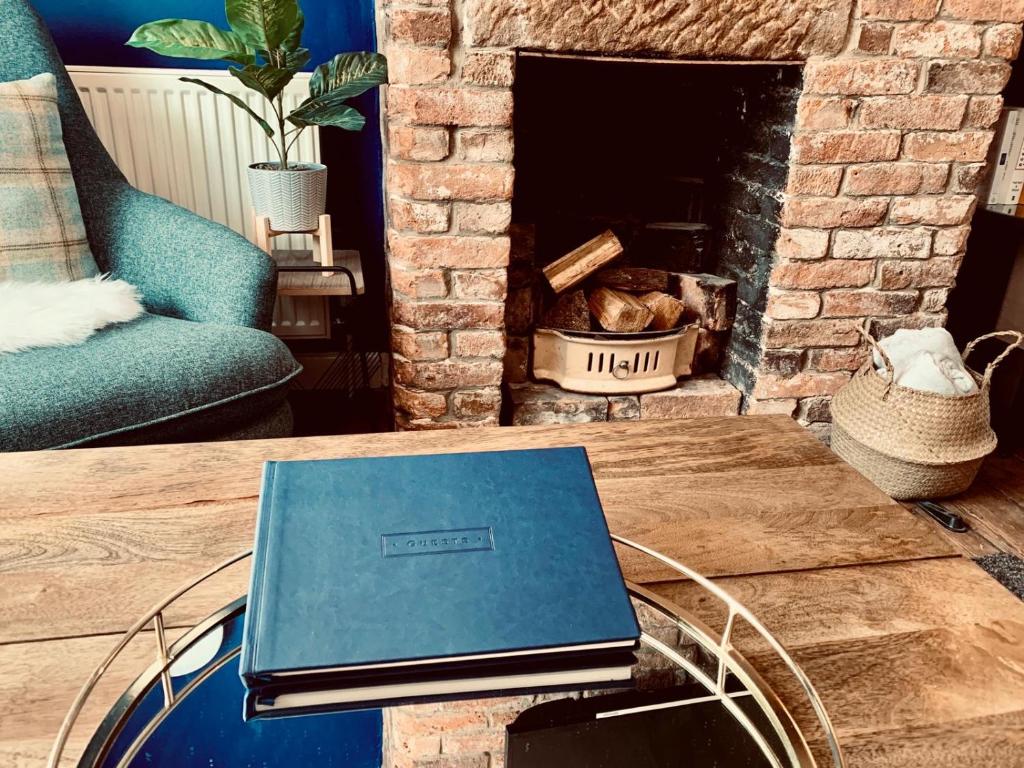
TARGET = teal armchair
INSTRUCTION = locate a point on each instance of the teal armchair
(200, 364)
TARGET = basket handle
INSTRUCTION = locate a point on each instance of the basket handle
(890, 372)
(1018, 340)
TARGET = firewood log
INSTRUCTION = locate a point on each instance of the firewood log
(638, 279)
(573, 268)
(667, 310)
(618, 311)
(710, 298)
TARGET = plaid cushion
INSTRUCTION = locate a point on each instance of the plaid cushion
(42, 235)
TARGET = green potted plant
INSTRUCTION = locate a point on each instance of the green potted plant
(264, 43)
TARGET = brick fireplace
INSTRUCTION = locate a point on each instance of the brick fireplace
(893, 102)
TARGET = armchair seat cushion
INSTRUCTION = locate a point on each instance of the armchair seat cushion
(148, 376)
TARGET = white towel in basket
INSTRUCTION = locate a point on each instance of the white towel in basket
(926, 359)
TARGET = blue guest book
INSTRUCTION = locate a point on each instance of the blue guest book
(407, 576)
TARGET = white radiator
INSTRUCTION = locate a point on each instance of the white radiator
(179, 141)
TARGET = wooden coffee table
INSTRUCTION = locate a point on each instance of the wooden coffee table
(916, 652)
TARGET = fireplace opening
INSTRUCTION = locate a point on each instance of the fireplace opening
(685, 164)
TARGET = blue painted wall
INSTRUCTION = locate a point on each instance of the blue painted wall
(92, 32)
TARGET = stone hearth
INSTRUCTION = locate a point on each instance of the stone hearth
(891, 133)
(701, 395)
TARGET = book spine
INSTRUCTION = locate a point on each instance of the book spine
(1016, 172)
(1009, 192)
(621, 581)
(255, 698)
(1014, 198)
(1002, 159)
(257, 585)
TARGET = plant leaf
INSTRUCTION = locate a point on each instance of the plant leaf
(263, 23)
(237, 102)
(191, 39)
(327, 110)
(296, 59)
(349, 74)
(265, 79)
(293, 39)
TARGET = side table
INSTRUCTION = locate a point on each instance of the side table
(187, 706)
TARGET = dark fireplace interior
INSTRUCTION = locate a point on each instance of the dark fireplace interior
(685, 162)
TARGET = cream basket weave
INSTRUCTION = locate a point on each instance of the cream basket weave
(914, 444)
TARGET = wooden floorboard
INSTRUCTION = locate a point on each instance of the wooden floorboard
(833, 605)
(908, 680)
(32, 753)
(890, 648)
(71, 574)
(996, 741)
(1007, 474)
(97, 600)
(993, 507)
(720, 544)
(969, 543)
(994, 517)
(41, 483)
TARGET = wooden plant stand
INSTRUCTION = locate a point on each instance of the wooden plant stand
(323, 248)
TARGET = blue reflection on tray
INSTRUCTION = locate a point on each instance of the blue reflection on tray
(205, 727)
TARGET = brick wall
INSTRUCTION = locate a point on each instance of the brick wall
(457, 734)
(448, 187)
(888, 151)
(891, 135)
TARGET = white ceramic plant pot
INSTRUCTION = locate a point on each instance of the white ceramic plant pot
(293, 199)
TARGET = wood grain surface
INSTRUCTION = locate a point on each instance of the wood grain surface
(994, 504)
(969, 543)
(918, 654)
(141, 477)
(318, 283)
(993, 508)
(574, 267)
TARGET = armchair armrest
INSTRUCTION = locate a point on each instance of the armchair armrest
(186, 266)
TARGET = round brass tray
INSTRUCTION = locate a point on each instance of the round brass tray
(720, 669)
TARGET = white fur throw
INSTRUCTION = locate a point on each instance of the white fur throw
(62, 314)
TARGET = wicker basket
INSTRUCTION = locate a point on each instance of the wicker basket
(914, 444)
